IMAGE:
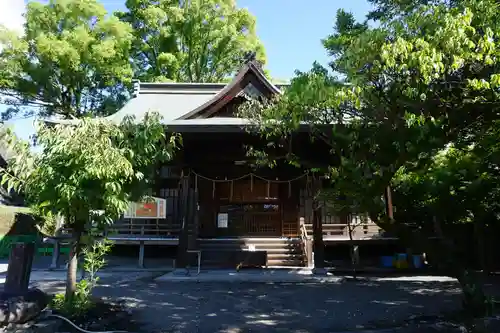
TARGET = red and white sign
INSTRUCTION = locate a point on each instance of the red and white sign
(154, 209)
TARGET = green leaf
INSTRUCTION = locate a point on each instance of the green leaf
(199, 41)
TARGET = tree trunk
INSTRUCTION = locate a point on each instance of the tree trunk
(475, 302)
(479, 231)
(72, 267)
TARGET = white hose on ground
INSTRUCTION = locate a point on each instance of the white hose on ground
(79, 328)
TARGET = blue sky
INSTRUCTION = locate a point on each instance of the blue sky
(291, 31)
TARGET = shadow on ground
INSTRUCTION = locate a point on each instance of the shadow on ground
(285, 307)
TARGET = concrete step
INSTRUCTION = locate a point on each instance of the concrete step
(245, 247)
(284, 255)
(247, 242)
(208, 252)
(280, 251)
(286, 262)
(207, 264)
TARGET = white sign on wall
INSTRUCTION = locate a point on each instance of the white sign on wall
(222, 220)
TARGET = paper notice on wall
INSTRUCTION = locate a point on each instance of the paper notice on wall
(222, 220)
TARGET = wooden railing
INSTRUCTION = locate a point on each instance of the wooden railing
(147, 228)
(341, 231)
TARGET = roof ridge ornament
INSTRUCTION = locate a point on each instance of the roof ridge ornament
(250, 58)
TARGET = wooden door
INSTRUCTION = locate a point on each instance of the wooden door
(252, 208)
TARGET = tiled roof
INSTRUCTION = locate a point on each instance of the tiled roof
(179, 102)
(170, 100)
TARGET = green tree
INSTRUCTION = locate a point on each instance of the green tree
(86, 168)
(387, 10)
(190, 41)
(412, 86)
(344, 31)
(72, 60)
(459, 186)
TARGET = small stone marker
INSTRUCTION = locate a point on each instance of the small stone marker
(19, 269)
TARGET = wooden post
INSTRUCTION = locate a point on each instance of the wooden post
(19, 269)
(318, 245)
(141, 249)
(309, 252)
(57, 247)
(196, 220)
(388, 203)
(182, 248)
(191, 220)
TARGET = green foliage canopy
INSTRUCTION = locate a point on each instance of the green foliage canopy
(190, 41)
(88, 167)
(410, 88)
(72, 60)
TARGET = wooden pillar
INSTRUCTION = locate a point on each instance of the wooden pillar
(388, 203)
(318, 245)
(141, 249)
(19, 269)
(192, 217)
(309, 253)
(196, 216)
(182, 248)
(57, 247)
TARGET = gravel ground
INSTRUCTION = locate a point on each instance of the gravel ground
(237, 307)
(259, 307)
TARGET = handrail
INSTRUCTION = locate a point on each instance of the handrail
(360, 224)
(305, 239)
(356, 228)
